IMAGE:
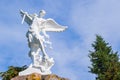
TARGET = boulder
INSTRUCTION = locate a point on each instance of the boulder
(36, 76)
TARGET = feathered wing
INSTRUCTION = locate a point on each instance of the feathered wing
(51, 25)
(27, 19)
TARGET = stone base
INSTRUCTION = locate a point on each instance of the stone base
(42, 67)
(31, 70)
(36, 76)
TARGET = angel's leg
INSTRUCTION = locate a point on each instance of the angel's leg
(43, 49)
(34, 54)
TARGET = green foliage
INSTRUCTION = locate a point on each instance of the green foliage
(105, 62)
(11, 72)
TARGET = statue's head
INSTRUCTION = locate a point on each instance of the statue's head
(42, 13)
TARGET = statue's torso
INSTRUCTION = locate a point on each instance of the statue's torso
(37, 24)
(35, 29)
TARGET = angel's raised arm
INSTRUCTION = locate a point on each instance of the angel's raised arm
(26, 14)
(26, 17)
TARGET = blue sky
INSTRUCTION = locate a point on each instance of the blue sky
(84, 19)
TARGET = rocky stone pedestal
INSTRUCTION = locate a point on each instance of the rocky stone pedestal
(36, 76)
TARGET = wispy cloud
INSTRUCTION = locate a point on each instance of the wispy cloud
(95, 17)
(99, 17)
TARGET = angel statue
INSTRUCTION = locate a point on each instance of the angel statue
(38, 40)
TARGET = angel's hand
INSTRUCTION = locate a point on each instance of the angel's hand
(25, 13)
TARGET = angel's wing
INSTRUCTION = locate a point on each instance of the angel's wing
(26, 17)
(51, 25)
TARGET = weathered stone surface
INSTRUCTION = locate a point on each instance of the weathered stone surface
(52, 77)
(36, 76)
(33, 76)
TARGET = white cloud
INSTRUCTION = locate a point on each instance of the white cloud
(95, 17)
(9, 33)
(70, 60)
(13, 45)
(99, 17)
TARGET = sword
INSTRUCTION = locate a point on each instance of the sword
(24, 15)
(23, 18)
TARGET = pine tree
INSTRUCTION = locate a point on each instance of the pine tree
(105, 62)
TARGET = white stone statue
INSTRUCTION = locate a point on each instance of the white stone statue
(38, 40)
